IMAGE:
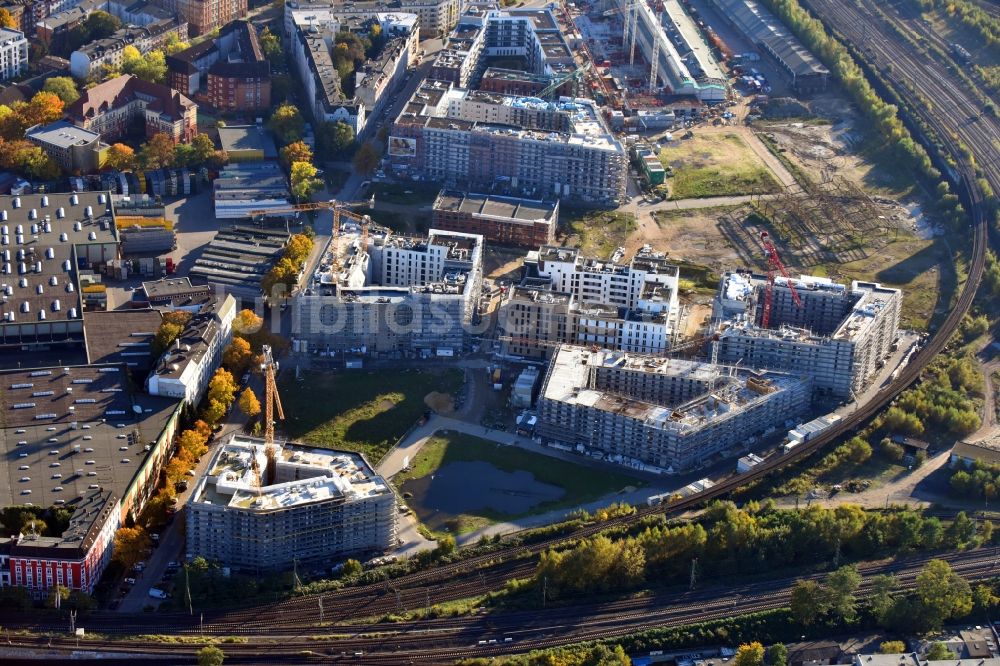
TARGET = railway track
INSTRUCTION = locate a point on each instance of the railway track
(443, 640)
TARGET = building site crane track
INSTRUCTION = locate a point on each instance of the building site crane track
(949, 107)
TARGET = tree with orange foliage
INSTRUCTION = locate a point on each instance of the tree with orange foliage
(7, 19)
(247, 322)
(296, 152)
(202, 429)
(157, 153)
(120, 157)
(44, 107)
(236, 358)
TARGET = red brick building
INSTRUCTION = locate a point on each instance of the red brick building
(110, 107)
(502, 220)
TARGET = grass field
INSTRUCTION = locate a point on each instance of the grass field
(597, 233)
(364, 412)
(580, 484)
(711, 165)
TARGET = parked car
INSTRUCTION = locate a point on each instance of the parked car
(157, 593)
(130, 581)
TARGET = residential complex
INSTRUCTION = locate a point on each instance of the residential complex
(91, 58)
(666, 414)
(437, 17)
(206, 15)
(13, 53)
(566, 297)
(46, 239)
(474, 139)
(230, 72)
(184, 370)
(483, 31)
(840, 335)
(498, 219)
(400, 296)
(74, 148)
(262, 507)
(110, 107)
(312, 32)
(80, 438)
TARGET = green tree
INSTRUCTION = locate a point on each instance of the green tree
(203, 147)
(445, 545)
(286, 123)
(892, 647)
(841, 586)
(60, 591)
(961, 532)
(304, 181)
(174, 44)
(749, 654)
(351, 568)
(270, 44)
(210, 655)
(150, 67)
(366, 159)
(334, 138)
(984, 599)
(63, 87)
(808, 602)
(777, 655)
(940, 594)
(157, 153)
(938, 651)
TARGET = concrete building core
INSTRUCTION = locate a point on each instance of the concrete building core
(261, 507)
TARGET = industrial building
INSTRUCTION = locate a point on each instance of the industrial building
(680, 62)
(184, 370)
(312, 32)
(400, 296)
(766, 32)
(122, 337)
(500, 220)
(667, 415)
(45, 240)
(246, 189)
(77, 437)
(526, 146)
(239, 257)
(263, 507)
(840, 335)
(248, 143)
(566, 297)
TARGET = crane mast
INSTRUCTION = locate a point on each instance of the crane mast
(774, 266)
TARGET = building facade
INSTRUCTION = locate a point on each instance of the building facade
(840, 334)
(109, 108)
(13, 53)
(74, 148)
(437, 17)
(265, 507)
(109, 52)
(184, 370)
(669, 415)
(500, 220)
(528, 147)
(204, 16)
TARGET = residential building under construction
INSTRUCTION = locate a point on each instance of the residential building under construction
(666, 415)
(262, 507)
(840, 335)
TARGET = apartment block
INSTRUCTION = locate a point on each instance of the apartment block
(264, 507)
(501, 220)
(184, 370)
(204, 16)
(90, 58)
(437, 17)
(839, 334)
(568, 298)
(74, 148)
(401, 298)
(230, 70)
(312, 32)
(473, 140)
(667, 415)
(110, 107)
(13, 53)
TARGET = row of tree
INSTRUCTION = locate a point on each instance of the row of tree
(945, 400)
(982, 481)
(969, 14)
(755, 538)
(286, 271)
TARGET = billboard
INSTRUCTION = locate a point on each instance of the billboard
(402, 146)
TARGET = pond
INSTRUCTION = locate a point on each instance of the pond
(473, 487)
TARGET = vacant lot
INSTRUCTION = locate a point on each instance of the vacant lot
(461, 483)
(366, 412)
(709, 165)
(596, 233)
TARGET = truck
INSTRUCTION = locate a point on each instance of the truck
(497, 379)
(171, 267)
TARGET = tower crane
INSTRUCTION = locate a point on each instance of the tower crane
(774, 265)
(556, 83)
(272, 403)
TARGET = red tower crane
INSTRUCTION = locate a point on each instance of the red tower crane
(773, 264)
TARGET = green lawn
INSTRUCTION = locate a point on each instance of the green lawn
(581, 484)
(365, 411)
(596, 233)
(415, 194)
(712, 165)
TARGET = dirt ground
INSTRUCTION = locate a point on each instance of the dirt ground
(692, 235)
(441, 403)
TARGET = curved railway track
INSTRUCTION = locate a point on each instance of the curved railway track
(475, 575)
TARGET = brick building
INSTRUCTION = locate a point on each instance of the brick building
(109, 109)
(504, 220)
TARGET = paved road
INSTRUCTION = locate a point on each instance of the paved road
(171, 546)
